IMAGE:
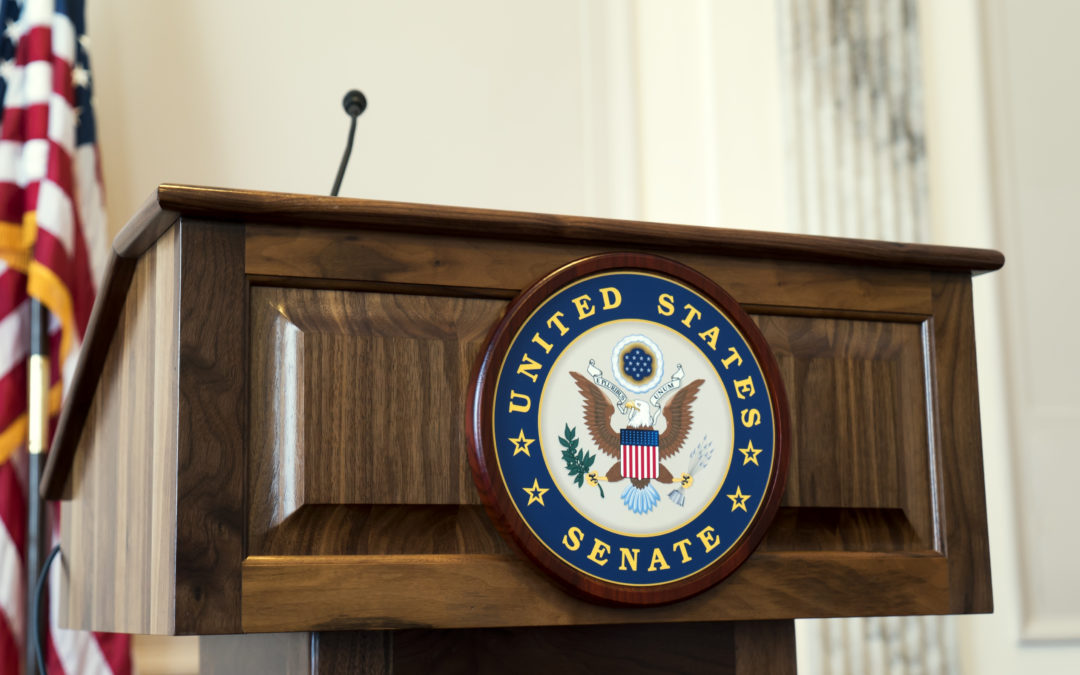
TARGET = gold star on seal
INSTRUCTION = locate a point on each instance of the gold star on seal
(536, 493)
(521, 444)
(738, 500)
(750, 453)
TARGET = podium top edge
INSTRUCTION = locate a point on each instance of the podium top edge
(170, 201)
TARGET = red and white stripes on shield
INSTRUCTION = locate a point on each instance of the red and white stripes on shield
(640, 453)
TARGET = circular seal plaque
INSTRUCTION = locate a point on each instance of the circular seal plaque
(628, 429)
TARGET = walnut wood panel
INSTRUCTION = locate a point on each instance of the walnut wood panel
(353, 229)
(960, 443)
(99, 336)
(882, 517)
(807, 528)
(462, 591)
(400, 529)
(211, 428)
(384, 376)
(357, 399)
(765, 647)
(859, 408)
(379, 530)
(126, 467)
(858, 396)
(488, 263)
(355, 215)
(734, 648)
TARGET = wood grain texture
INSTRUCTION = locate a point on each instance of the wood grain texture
(148, 225)
(885, 513)
(765, 647)
(352, 529)
(959, 446)
(104, 321)
(376, 242)
(809, 528)
(506, 267)
(462, 591)
(861, 436)
(364, 215)
(357, 400)
(121, 577)
(383, 376)
(855, 385)
(211, 427)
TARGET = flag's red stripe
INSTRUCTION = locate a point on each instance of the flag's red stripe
(59, 170)
(12, 395)
(14, 201)
(12, 507)
(52, 657)
(62, 80)
(21, 124)
(83, 292)
(34, 45)
(117, 651)
(9, 649)
(12, 291)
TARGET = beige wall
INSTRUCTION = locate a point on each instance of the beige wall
(635, 109)
(470, 102)
(1028, 328)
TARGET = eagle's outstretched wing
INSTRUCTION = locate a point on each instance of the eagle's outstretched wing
(679, 418)
(598, 414)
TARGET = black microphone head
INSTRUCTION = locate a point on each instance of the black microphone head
(354, 103)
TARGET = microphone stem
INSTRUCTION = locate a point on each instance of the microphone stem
(345, 159)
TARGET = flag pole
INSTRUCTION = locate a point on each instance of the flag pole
(37, 444)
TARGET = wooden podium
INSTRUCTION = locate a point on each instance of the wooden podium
(265, 441)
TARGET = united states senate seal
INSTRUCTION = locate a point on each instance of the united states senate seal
(628, 429)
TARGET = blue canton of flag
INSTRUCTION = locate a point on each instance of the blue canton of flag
(640, 453)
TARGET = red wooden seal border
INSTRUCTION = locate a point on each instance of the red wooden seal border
(482, 449)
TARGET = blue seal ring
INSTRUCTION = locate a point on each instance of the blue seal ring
(535, 478)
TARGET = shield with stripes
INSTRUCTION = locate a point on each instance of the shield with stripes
(640, 453)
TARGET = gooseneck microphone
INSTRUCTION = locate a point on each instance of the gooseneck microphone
(354, 105)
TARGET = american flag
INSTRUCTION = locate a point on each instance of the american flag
(640, 453)
(52, 247)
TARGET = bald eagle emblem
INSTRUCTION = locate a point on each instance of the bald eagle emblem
(639, 449)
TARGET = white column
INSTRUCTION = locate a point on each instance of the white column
(851, 92)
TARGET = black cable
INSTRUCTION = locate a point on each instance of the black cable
(345, 159)
(35, 611)
(354, 104)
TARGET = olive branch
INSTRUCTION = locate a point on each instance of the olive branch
(578, 462)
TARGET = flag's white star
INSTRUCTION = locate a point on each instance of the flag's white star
(12, 30)
(80, 77)
(84, 42)
(7, 69)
